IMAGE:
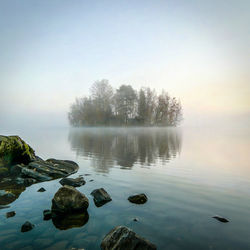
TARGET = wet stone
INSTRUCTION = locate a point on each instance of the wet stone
(10, 214)
(121, 238)
(41, 189)
(68, 199)
(138, 198)
(27, 226)
(74, 182)
(101, 197)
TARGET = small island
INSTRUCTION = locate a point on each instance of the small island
(125, 107)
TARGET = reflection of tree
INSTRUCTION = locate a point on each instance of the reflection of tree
(116, 146)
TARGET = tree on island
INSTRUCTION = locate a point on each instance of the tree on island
(124, 107)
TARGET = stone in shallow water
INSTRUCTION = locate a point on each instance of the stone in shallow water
(67, 199)
(27, 226)
(74, 182)
(41, 189)
(138, 198)
(123, 238)
(101, 197)
(221, 219)
(10, 214)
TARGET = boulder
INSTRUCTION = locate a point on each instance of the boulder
(27, 226)
(67, 200)
(101, 197)
(74, 182)
(138, 198)
(123, 238)
(14, 150)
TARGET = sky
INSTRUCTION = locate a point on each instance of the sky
(52, 51)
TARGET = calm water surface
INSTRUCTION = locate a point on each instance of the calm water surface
(189, 175)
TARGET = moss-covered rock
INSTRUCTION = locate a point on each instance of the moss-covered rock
(14, 150)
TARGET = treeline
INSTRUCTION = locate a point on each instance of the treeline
(124, 107)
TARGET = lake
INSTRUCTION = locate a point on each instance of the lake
(188, 174)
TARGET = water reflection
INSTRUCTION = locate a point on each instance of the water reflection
(68, 221)
(107, 147)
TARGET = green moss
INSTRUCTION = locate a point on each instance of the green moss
(14, 150)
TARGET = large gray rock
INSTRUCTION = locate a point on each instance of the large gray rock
(67, 200)
(101, 197)
(123, 238)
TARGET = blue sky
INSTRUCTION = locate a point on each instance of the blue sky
(52, 51)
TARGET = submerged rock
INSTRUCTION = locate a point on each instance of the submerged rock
(221, 219)
(41, 189)
(47, 214)
(138, 198)
(27, 226)
(123, 238)
(10, 214)
(101, 197)
(67, 199)
(77, 182)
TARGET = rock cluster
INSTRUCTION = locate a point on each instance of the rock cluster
(20, 168)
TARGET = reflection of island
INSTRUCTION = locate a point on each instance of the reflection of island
(107, 147)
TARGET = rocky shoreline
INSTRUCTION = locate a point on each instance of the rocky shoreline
(20, 168)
